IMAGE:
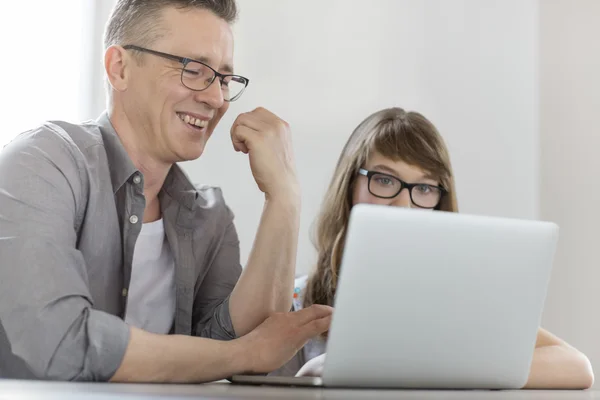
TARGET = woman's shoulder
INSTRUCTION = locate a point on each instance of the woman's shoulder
(299, 292)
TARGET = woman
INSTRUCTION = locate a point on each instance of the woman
(399, 159)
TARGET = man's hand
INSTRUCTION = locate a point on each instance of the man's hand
(281, 336)
(267, 140)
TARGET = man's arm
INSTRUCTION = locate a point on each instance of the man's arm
(159, 358)
(268, 278)
(267, 281)
(45, 304)
(177, 358)
(557, 365)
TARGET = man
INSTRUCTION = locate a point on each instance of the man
(105, 245)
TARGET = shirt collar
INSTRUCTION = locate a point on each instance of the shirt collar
(179, 187)
(120, 165)
(177, 184)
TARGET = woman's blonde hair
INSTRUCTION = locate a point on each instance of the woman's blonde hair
(397, 135)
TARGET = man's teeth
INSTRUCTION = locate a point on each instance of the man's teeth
(193, 121)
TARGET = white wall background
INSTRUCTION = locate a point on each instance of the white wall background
(42, 69)
(570, 194)
(324, 71)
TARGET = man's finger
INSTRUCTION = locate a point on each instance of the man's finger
(317, 327)
(311, 313)
(251, 121)
(264, 115)
(240, 138)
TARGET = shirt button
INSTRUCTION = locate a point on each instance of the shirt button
(137, 179)
(124, 292)
(133, 219)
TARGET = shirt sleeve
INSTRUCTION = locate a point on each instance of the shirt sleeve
(46, 309)
(211, 305)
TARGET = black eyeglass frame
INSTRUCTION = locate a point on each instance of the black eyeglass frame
(185, 61)
(403, 185)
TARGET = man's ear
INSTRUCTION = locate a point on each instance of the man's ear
(116, 65)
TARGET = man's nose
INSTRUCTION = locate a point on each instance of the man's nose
(212, 95)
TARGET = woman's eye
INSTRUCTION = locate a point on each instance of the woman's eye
(384, 181)
(424, 189)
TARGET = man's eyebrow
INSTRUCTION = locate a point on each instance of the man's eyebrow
(227, 68)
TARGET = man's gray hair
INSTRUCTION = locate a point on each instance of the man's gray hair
(136, 21)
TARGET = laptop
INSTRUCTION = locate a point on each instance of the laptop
(434, 300)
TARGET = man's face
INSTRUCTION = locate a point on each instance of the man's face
(172, 121)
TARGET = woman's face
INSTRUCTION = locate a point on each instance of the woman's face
(384, 184)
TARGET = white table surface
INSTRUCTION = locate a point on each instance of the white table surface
(25, 390)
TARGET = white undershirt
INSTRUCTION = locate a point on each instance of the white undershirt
(151, 294)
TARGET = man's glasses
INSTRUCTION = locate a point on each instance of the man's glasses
(198, 76)
(387, 186)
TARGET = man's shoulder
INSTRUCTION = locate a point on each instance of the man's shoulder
(83, 134)
(61, 143)
(59, 136)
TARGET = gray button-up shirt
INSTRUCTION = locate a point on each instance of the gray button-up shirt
(71, 208)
